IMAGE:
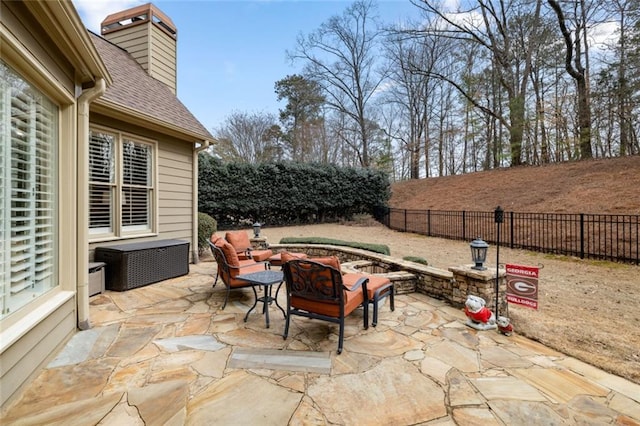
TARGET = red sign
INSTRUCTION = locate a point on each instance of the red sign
(522, 285)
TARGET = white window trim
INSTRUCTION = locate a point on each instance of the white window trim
(118, 232)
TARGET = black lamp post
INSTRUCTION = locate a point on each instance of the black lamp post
(479, 253)
(498, 216)
(256, 230)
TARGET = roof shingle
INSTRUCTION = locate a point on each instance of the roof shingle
(135, 89)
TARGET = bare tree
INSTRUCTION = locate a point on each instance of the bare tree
(576, 47)
(248, 137)
(341, 57)
(619, 82)
(413, 92)
(508, 31)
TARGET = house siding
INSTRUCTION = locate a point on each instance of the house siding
(134, 40)
(24, 359)
(152, 48)
(174, 186)
(35, 40)
(163, 57)
(175, 162)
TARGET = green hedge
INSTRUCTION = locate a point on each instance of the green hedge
(276, 194)
(376, 248)
(416, 259)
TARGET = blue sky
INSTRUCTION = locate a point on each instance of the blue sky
(231, 53)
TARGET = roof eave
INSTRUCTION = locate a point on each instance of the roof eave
(62, 21)
(121, 112)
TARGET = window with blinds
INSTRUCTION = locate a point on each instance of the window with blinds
(120, 184)
(28, 189)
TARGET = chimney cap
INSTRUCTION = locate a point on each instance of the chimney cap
(143, 13)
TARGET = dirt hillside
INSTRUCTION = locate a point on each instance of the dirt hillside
(607, 186)
(588, 307)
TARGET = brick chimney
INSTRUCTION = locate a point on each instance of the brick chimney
(149, 36)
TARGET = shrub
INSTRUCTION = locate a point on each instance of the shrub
(376, 248)
(206, 226)
(416, 259)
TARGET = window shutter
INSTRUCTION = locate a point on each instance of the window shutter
(136, 185)
(28, 185)
(101, 182)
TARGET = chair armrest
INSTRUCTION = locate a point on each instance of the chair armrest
(266, 264)
(362, 282)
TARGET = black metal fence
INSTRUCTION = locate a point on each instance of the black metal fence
(593, 236)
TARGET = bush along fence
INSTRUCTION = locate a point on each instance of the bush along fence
(591, 236)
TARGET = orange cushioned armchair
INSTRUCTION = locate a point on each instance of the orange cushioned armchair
(229, 266)
(241, 243)
(315, 289)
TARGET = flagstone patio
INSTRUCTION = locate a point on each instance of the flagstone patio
(166, 354)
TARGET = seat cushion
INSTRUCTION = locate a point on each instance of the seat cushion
(257, 255)
(229, 252)
(352, 299)
(375, 282)
(285, 256)
(239, 240)
(332, 261)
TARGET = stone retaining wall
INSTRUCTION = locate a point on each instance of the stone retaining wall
(451, 285)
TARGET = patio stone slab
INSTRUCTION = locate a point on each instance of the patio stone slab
(625, 405)
(474, 416)
(460, 357)
(591, 410)
(500, 357)
(510, 388)
(373, 397)
(78, 413)
(203, 343)
(625, 387)
(77, 349)
(528, 413)
(387, 343)
(252, 338)
(131, 340)
(461, 393)
(353, 362)
(161, 402)
(242, 399)
(435, 369)
(212, 364)
(560, 385)
(464, 336)
(306, 361)
(307, 415)
(57, 386)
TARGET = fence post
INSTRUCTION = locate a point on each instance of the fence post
(405, 221)
(511, 228)
(581, 235)
(429, 222)
(464, 225)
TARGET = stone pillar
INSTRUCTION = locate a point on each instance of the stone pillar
(480, 283)
(259, 243)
